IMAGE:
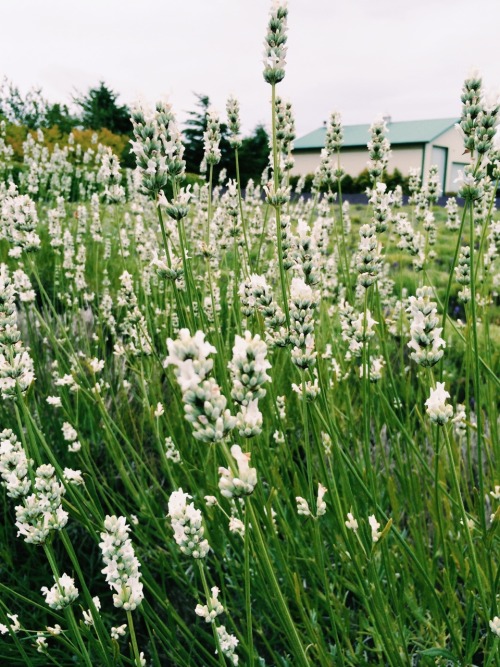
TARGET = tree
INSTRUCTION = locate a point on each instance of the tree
(101, 110)
(254, 155)
(60, 116)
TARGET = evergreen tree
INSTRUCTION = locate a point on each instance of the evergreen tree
(101, 110)
(59, 114)
(254, 155)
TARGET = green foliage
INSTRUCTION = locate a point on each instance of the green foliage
(254, 155)
(58, 115)
(100, 110)
(360, 183)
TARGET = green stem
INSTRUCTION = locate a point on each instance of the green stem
(290, 629)
(248, 598)
(133, 637)
(477, 373)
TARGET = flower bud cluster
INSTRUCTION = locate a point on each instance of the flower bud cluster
(378, 150)
(62, 593)
(233, 117)
(471, 183)
(275, 43)
(256, 293)
(437, 408)
(433, 187)
(303, 506)
(18, 220)
(176, 208)
(204, 404)
(15, 626)
(410, 240)
(187, 524)
(110, 178)
(286, 241)
(244, 483)
(42, 511)
(374, 369)
(211, 610)
(305, 254)
(14, 465)
(334, 133)
(276, 197)
(285, 131)
(133, 328)
(479, 117)
(228, 644)
(248, 373)
(414, 184)
(9, 333)
(462, 272)
(122, 566)
(381, 202)
(312, 388)
(426, 342)
(303, 302)
(452, 219)
(211, 138)
(357, 329)
(329, 170)
(71, 436)
(157, 147)
(368, 259)
(171, 139)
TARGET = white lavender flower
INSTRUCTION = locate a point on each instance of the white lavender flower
(303, 301)
(122, 566)
(426, 342)
(244, 483)
(187, 524)
(368, 259)
(374, 525)
(212, 137)
(62, 593)
(378, 150)
(438, 410)
(275, 43)
(248, 368)
(14, 465)
(211, 610)
(233, 117)
(41, 511)
(15, 626)
(495, 625)
(351, 522)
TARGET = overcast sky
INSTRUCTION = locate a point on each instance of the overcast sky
(363, 58)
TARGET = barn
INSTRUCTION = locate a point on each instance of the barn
(415, 143)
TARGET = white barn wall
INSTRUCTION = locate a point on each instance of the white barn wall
(355, 160)
(453, 141)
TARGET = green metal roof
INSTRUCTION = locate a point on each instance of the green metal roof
(403, 132)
